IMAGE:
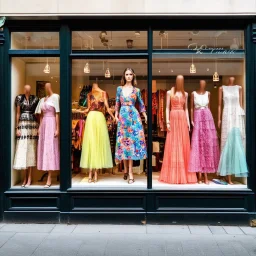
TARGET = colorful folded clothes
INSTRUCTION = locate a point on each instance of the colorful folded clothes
(220, 182)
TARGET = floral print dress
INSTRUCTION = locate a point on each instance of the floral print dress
(130, 141)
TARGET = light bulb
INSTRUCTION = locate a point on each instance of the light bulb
(47, 69)
(215, 77)
(107, 73)
(192, 69)
(87, 68)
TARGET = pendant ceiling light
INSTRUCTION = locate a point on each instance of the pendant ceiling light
(47, 69)
(216, 77)
(87, 68)
(137, 33)
(107, 73)
(192, 67)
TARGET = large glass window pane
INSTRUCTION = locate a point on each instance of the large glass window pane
(95, 84)
(32, 103)
(34, 40)
(195, 39)
(198, 132)
(109, 40)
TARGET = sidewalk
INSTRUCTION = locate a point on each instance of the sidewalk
(124, 240)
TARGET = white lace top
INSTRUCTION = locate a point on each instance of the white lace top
(201, 100)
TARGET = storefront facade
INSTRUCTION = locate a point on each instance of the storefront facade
(79, 51)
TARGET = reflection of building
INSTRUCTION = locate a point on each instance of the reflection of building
(67, 45)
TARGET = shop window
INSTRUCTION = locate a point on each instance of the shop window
(109, 40)
(99, 143)
(35, 89)
(198, 109)
(34, 40)
(200, 40)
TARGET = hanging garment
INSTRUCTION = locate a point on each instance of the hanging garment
(48, 152)
(232, 140)
(130, 141)
(96, 151)
(204, 155)
(26, 143)
(177, 147)
(161, 110)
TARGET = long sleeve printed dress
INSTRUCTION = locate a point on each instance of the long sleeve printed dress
(130, 141)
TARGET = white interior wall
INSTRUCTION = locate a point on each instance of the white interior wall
(18, 82)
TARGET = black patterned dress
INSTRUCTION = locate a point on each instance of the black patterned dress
(26, 143)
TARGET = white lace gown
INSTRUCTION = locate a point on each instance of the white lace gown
(233, 115)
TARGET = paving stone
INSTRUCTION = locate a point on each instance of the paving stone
(167, 229)
(216, 230)
(227, 249)
(190, 248)
(22, 244)
(63, 228)
(239, 249)
(28, 228)
(63, 245)
(233, 230)
(174, 249)
(132, 229)
(249, 230)
(200, 230)
(5, 236)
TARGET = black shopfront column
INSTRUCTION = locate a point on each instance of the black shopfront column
(251, 112)
(65, 117)
(3, 150)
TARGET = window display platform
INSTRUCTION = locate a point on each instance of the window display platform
(116, 181)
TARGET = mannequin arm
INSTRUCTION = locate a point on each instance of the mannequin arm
(57, 116)
(192, 108)
(167, 110)
(186, 110)
(241, 97)
(17, 115)
(220, 106)
(17, 120)
(118, 103)
(209, 98)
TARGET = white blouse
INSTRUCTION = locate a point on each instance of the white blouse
(201, 100)
(53, 100)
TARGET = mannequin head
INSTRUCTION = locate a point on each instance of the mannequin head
(27, 89)
(202, 85)
(129, 76)
(48, 88)
(231, 80)
(179, 86)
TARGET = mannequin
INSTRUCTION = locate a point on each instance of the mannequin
(26, 134)
(48, 156)
(204, 155)
(130, 141)
(177, 146)
(96, 150)
(232, 131)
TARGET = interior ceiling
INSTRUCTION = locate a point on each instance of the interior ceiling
(35, 66)
(82, 40)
